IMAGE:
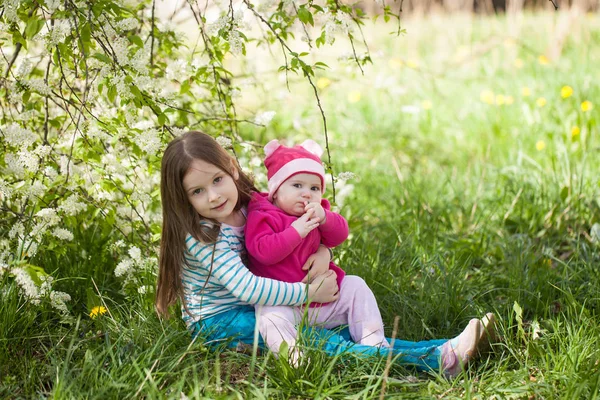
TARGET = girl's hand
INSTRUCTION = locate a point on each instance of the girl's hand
(317, 264)
(319, 211)
(306, 223)
(324, 288)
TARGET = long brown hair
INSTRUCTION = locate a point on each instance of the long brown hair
(179, 217)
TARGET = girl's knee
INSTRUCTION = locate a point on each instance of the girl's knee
(353, 282)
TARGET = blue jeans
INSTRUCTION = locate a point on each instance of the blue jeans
(238, 325)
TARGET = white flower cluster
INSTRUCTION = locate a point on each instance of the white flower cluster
(232, 26)
(128, 24)
(63, 234)
(224, 142)
(149, 141)
(53, 5)
(10, 10)
(344, 176)
(58, 33)
(18, 136)
(264, 118)
(29, 288)
(24, 68)
(71, 206)
(340, 22)
(130, 266)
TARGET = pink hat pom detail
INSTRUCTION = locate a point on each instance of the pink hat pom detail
(313, 147)
(271, 147)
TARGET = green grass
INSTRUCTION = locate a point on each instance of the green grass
(457, 211)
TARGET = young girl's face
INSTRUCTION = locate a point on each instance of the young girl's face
(212, 191)
(293, 194)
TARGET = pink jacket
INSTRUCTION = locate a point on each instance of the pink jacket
(276, 250)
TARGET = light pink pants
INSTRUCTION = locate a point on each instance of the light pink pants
(356, 307)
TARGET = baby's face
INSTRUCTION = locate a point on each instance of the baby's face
(295, 193)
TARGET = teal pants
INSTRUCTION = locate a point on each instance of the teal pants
(238, 325)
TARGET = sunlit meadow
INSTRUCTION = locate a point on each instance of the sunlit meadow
(471, 148)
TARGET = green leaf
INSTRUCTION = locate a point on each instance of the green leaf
(33, 27)
(102, 57)
(305, 16)
(137, 41)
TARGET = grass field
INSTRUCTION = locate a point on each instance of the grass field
(476, 148)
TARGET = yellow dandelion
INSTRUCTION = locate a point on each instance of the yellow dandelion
(587, 106)
(395, 63)
(487, 96)
(354, 96)
(96, 311)
(322, 83)
(566, 92)
(426, 105)
(541, 102)
(543, 60)
(526, 92)
(540, 145)
(518, 63)
(509, 100)
(412, 63)
(575, 131)
(499, 99)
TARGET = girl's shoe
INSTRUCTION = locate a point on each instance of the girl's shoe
(458, 352)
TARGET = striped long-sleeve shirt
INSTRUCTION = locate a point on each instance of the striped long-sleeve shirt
(230, 284)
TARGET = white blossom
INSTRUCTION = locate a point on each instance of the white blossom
(66, 166)
(18, 136)
(53, 5)
(177, 70)
(49, 216)
(28, 160)
(224, 141)
(128, 24)
(6, 191)
(50, 172)
(344, 176)
(149, 141)
(36, 189)
(58, 299)
(125, 267)
(27, 285)
(63, 234)
(10, 10)
(13, 165)
(71, 206)
(264, 118)
(58, 33)
(135, 253)
(17, 230)
(142, 290)
(39, 86)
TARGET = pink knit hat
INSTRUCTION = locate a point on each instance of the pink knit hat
(284, 162)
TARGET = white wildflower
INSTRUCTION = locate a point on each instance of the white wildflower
(235, 42)
(24, 68)
(27, 285)
(27, 115)
(49, 216)
(53, 5)
(5, 190)
(58, 33)
(344, 176)
(29, 160)
(177, 70)
(71, 206)
(264, 118)
(120, 47)
(224, 141)
(125, 267)
(13, 165)
(28, 248)
(39, 86)
(128, 24)
(63, 234)
(36, 189)
(142, 290)
(149, 141)
(18, 136)
(17, 231)
(178, 131)
(10, 10)
(50, 172)
(58, 300)
(135, 253)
